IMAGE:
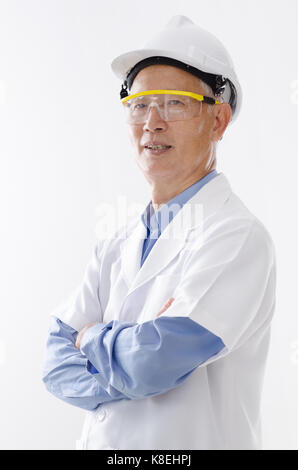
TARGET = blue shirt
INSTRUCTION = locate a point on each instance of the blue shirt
(126, 359)
(156, 222)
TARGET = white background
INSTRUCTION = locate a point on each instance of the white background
(64, 150)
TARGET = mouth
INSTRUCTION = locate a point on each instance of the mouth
(157, 149)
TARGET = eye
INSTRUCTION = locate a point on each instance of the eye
(176, 102)
(136, 106)
(139, 105)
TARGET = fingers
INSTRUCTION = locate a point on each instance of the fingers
(166, 306)
(81, 334)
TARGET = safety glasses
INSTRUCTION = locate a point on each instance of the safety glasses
(172, 105)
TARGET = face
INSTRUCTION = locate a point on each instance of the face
(192, 141)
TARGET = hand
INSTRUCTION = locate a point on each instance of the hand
(81, 334)
(166, 306)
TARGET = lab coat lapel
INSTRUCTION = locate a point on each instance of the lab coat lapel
(192, 215)
(131, 253)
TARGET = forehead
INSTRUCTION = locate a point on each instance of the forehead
(165, 77)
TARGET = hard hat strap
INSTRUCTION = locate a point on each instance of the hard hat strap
(124, 92)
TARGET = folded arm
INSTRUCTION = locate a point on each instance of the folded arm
(65, 373)
(124, 359)
(141, 360)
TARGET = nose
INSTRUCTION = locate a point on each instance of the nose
(154, 121)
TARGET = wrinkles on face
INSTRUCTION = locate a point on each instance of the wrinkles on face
(192, 154)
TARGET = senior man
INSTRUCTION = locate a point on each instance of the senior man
(165, 342)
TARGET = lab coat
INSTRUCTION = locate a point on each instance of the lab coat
(218, 262)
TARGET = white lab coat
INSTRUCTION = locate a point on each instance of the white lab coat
(218, 262)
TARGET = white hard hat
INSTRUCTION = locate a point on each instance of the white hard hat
(186, 45)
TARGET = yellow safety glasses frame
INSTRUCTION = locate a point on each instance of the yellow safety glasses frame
(188, 111)
(204, 99)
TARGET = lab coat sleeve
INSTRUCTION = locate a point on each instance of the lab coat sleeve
(228, 285)
(147, 359)
(65, 372)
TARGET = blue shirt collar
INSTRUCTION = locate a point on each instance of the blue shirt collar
(156, 221)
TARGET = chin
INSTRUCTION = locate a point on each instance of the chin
(156, 170)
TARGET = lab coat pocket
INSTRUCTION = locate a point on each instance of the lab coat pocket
(163, 288)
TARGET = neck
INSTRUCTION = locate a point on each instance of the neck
(163, 192)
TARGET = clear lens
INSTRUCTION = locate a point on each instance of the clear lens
(170, 107)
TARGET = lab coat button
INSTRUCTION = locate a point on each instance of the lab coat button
(101, 415)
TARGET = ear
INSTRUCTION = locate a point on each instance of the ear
(223, 114)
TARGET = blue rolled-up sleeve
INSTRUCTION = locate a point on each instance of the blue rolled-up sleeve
(65, 373)
(141, 360)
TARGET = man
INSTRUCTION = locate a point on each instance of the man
(166, 340)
